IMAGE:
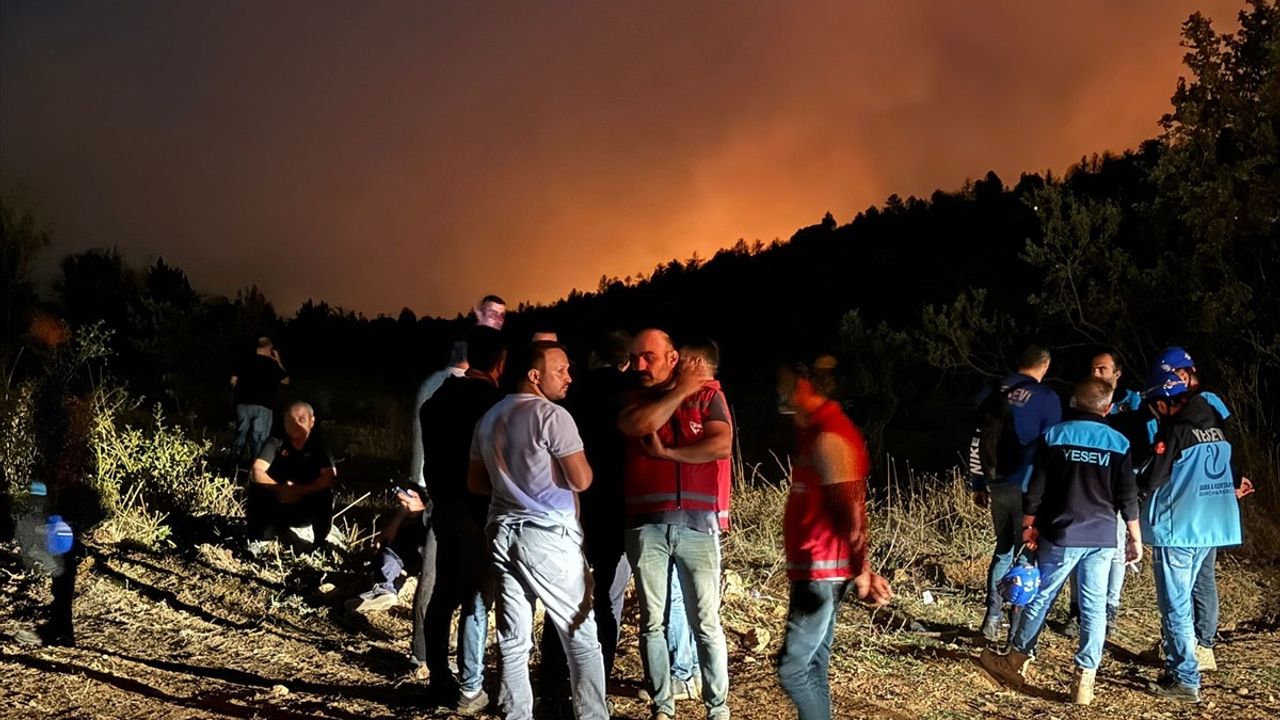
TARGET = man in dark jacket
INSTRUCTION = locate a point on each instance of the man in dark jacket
(1082, 478)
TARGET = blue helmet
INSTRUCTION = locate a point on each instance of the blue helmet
(1020, 584)
(58, 536)
(1174, 358)
(1164, 385)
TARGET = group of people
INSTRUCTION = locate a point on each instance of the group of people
(523, 492)
(1084, 494)
(532, 493)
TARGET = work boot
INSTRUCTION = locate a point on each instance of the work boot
(690, 689)
(1205, 658)
(1010, 668)
(1082, 686)
(1167, 687)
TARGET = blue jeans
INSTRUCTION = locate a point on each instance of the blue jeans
(390, 560)
(1204, 600)
(1057, 564)
(253, 425)
(680, 641)
(542, 561)
(653, 548)
(1176, 569)
(1006, 517)
(806, 649)
(1115, 579)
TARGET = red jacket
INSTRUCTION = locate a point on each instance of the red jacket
(655, 486)
(818, 543)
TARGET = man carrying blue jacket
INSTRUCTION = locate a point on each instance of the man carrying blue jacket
(1083, 477)
(1032, 408)
(1190, 509)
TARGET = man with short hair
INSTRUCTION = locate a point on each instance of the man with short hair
(594, 401)
(1190, 509)
(1106, 368)
(824, 531)
(461, 572)
(292, 482)
(1030, 408)
(678, 428)
(1083, 478)
(526, 454)
(491, 311)
(253, 387)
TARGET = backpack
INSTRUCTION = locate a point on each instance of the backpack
(995, 450)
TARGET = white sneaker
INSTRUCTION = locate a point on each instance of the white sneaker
(376, 599)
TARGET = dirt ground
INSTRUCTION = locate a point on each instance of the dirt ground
(205, 633)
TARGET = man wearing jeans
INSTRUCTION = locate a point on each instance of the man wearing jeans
(677, 427)
(1083, 477)
(253, 387)
(1032, 408)
(1190, 508)
(825, 532)
(526, 454)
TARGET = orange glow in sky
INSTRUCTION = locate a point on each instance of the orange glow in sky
(421, 154)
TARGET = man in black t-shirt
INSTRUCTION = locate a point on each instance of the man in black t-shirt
(292, 482)
(458, 517)
(253, 387)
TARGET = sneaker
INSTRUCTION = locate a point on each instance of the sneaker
(690, 689)
(1205, 658)
(1009, 669)
(662, 716)
(1167, 687)
(472, 702)
(1082, 686)
(1071, 630)
(376, 599)
(258, 548)
(991, 627)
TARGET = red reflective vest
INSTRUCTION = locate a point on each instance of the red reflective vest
(816, 548)
(654, 486)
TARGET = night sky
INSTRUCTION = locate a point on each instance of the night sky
(421, 154)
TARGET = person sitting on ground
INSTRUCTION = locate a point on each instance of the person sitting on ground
(402, 536)
(1083, 477)
(292, 482)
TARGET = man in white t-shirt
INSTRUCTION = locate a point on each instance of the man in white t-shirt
(526, 454)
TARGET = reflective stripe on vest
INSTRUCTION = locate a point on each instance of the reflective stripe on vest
(820, 565)
(664, 497)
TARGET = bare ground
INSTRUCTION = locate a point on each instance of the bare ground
(206, 634)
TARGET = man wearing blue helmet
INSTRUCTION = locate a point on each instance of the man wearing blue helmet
(1190, 508)
(1204, 594)
(1083, 480)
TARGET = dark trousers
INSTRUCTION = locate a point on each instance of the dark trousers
(610, 572)
(263, 510)
(463, 580)
(422, 597)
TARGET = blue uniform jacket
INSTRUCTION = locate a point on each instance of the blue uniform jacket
(1188, 489)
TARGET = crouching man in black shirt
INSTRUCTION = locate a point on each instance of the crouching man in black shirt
(292, 482)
